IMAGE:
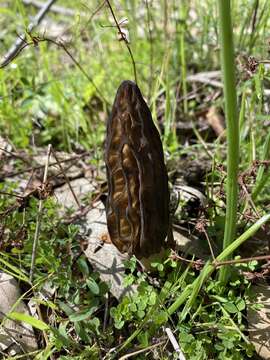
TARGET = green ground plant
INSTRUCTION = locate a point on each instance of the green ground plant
(61, 95)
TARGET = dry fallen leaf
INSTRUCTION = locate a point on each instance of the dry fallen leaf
(216, 121)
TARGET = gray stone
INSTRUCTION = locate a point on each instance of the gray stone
(259, 320)
(104, 256)
(82, 187)
(15, 337)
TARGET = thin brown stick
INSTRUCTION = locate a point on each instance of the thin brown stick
(127, 356)
(11, 194)
(11, 174)
(244, 260)
(95, 12)
(210, 245)
(67, 179)
(20, 42)
(151, 52)
(88, 77)
(249, 198)
(35, 41)
(254, 16)
(15, 155)
(106, 312)
(181, 258)
(123, 37)
(38, 221)
(222, 263)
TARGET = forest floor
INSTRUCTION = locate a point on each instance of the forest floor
(66, 292)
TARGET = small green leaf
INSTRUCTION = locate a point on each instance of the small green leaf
(38, 324)
(82, 315)
(143, 338)
(142, 304)
(81, 331)
(11, 269)
(161, 317)
(141, 314)
(129, 280)
(60, 339)
(230, 307)
(152, 298)
(94, 324)
(119, 324)
(66, 308)
(62, 330)
(133, 307)
(83, 266)
(92, 286)
(240, 304)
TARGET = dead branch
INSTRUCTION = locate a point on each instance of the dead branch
(54, 8)
(39, 214)
(199, 263)
(244, 260)
(20, 42)
(18, 156)
(127, 356)
(35, 40)
(12, 174)
(67, 179)
(123, 38)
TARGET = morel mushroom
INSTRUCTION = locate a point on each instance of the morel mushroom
(137, 206)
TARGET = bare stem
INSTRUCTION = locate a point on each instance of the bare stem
(67, 179)
(39, 214)
(36, 40)
(20, 42)
(123, 37)
(228, 71)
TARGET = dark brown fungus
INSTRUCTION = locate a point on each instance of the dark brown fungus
(137, 206)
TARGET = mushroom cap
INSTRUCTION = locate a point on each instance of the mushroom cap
(137, 207)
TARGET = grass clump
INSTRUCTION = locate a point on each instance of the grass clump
(60, 93)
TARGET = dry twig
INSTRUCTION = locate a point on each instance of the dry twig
(34, 168)
(127, 356)
(39, 213)
(123, 38)
(55, 8)
(67, 179)
(20, 42)
(199, 263)
(35, 40)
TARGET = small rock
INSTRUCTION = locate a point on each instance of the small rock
(82, 187)
(73, 168)
(15, 337)
(104, 257)
(259, 320)
(191, 245)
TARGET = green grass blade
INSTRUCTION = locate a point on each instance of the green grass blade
(262, 175)
(38, 324)
(228, 70)
(193, 289)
